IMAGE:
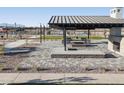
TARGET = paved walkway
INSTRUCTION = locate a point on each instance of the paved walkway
(15, 44)
(19, 43)
(61, 78)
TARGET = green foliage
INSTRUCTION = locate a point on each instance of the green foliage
(61, 37)
(53, 37)
(1, 49)
(95, 37)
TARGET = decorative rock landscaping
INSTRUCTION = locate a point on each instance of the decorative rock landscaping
(40, 60)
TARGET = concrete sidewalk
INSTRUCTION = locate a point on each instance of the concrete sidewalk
(18, 43)
(60, 78)
(15, 44)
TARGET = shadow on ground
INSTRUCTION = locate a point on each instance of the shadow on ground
(102, 42)
(61, 81)
(110, 56)
(22, 50)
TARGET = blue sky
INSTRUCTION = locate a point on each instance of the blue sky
(32, 16)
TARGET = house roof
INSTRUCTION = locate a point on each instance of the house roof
(80, 22)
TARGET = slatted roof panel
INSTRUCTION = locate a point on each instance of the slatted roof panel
(84, 20)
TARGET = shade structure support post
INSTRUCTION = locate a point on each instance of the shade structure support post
(7, 32)
(44, 33)
(88, 34)
(15, 30)
(40, 33)
(64, 37)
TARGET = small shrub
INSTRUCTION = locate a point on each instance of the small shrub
(42, 69)
(23, 68)
(120, 69)
(90, 68)
(7, 68)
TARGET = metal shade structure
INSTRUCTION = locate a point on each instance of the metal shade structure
(83, 22)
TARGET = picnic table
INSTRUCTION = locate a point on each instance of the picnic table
(77, 42)
(80, 43)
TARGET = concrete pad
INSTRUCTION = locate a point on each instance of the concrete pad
(6, 78)
(28, 78)
(59, 52)
(85, 52)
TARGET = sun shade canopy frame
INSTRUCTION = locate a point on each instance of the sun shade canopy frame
(84, 22)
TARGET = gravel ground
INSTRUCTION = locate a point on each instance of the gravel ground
(40, 61)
